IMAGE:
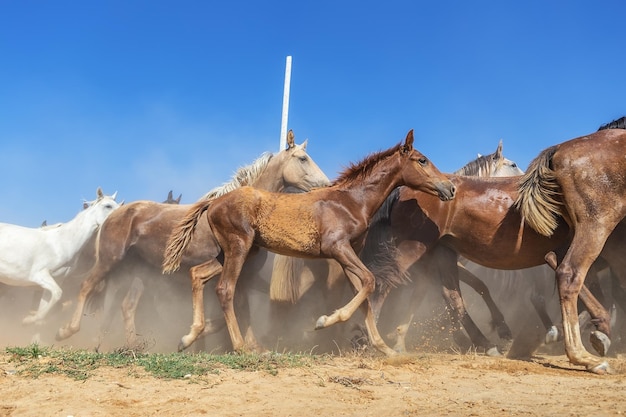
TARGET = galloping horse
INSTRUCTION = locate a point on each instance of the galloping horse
(128, 297)
(292, 278)
(581, 181)
(484, 225)
(38, 256)
(324, 223)
(140, 229)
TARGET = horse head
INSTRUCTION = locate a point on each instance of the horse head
(101, 207)
(492, 165)
(299, 170)
(419, 173)
(501, 166)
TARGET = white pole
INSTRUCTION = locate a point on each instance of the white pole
(283, 126)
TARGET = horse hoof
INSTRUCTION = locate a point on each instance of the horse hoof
(600, 342)
(321, 322)
(552, 335)
(601, 369)
(493, 351)
(505, 345)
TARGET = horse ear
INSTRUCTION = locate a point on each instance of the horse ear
(499, 151)
(99, 193)
(178, 199)
(303, 146)
(291, 140)
(169, 195)
(408, 142)
(114, 196)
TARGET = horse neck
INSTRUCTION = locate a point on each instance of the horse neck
(270, 179)
(372, 190)
(80, 229)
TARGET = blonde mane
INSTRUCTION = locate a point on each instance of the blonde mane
(243, 176)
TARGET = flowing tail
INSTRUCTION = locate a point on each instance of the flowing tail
(181, 236)
(286, 277)
(539, 199)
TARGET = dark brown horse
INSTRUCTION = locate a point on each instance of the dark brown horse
(140, 229)
(324, 223)
(585, 186)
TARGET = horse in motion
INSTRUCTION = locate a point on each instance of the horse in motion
(296, 280)
(39, 256)
(327, 222)
(140, 229)
(583, 182)
(484, 225)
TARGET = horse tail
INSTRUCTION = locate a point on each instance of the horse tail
(539, 198)
(181, 236)
(285, 280)
(379, 253)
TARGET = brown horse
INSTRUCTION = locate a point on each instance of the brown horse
(140, 229)
(484, 225)
(582, 181)
(324, 223)
(293, 278)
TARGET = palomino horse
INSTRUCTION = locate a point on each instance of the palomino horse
(39, 256)
(324, 223)
(292, 277)
(484, 225)
(140, 229)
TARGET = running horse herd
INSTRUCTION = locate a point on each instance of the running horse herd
(382, 228)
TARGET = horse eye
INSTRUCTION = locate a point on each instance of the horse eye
(422, 161)
(514, 165)
(303, 159)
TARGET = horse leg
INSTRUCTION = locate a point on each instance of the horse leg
(419, 292)
(200, 275)
(129, 308)
(363, 282)
(552, 331)
(225, 290)
(45, 281)
(570, 275)
(109, 312)
(87, 288)
(445, 261)
(600, 339)
(504, 332)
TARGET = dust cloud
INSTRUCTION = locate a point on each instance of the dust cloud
(164, 314)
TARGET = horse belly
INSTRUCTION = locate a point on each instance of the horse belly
(290, 240)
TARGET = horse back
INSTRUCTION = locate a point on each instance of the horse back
(591, 171)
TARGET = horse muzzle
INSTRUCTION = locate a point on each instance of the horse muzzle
(446, 191)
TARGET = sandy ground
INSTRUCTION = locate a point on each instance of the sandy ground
(425, 385)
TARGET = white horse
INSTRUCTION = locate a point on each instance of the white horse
(38, 256)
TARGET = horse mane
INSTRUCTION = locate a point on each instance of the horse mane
(358, 171)
(479, 165)
(243, 176)
(539, 194)
(615, 124)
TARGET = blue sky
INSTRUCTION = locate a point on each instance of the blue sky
(141, 97)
